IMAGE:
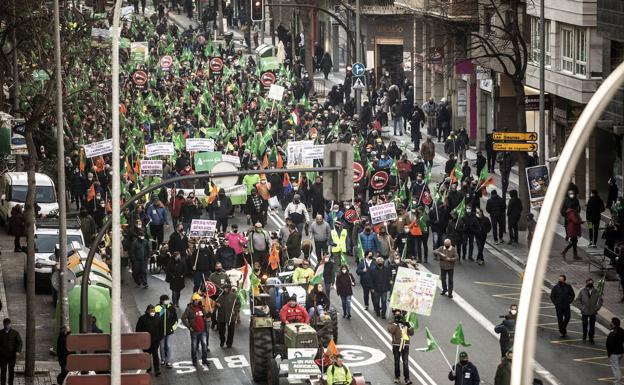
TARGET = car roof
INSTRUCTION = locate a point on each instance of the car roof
(56, 231)
(21, 179)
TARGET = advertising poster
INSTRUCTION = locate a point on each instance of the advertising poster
(538, 180)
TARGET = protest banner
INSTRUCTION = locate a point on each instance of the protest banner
(98, 148)
(382, 213)
(203, 227)
(276, 92)
(235, 160)
(205, 161)
(301, 363)
(538, 180)
(151, 167)
(159, 149)
(237, 193)
(139, 52)
(414, 291)
(200, 144)
(295, 154)
(312, 153)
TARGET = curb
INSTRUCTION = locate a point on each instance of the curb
(5, 305)
(604, 315)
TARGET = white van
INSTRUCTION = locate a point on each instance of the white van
(13, 189)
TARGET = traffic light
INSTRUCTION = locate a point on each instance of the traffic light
(257, 10)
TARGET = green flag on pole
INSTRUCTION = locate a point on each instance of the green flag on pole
(460, 210)
(431, 342)
(458, 336)
(412, 318)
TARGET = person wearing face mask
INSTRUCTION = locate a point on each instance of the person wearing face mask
(464, 372)
(197, 319)
(169, 316)
(615, 349)
(152, 324)
(589, 301)
(187, 184)
(139, 254)
(503, 371)
(480, 226)
(380, 286)
(364, 268)
(448, 256)
(298, 212)
(158, 218)
(256, 208)
(317, 302)
(573, 232)
(562, 296)
(394, 263)
(496, 206)
(178, 241)
(344, 289)
(507, 329)
(203, 265)
(219, 277)
(189, 211)
(175, 271)
(228, 306)
(250, 180)
(401, 332)
(369, 240)
(595, 208)
(293, 312)
(78, 187)
(237, 241)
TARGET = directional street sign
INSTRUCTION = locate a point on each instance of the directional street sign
(527, 136)
(526, 147)
(359, 83)
(357, 69)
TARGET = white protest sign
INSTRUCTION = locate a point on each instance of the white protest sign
(414, 291)
(382, 213)
(202, 227)
(159, 149)
(295, 154)
(237, 193)
(235, 160)
(151, 167)
(98, 148)
(200, 144)
(314, 152)
(301, 363)
(276, 92)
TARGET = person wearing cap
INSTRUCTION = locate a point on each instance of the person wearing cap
(338, 373)
(169, 316)
(293, 312)
(150, 323)
(228, 305)
(298, 212)
(464, 372)
(503, 371)
(401, 331)
(259, 244)
(196, 320)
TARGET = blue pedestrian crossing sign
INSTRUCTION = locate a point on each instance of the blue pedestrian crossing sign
(357, 69)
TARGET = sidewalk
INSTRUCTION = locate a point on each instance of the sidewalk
(45, 373)
(576, 271)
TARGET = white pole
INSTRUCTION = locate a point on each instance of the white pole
(542, 74)
(526, 323)
(358, 55)
(60, 169)
(116, 206)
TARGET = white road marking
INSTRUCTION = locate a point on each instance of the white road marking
(160, 276)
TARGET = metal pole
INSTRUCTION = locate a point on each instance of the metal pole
(358, 55)
(116, 214)
(542, 73)
(60, 169)
(526, 323)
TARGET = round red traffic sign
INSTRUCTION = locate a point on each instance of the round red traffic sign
(379, 180)
(166, 62)
(358, 172)
(267, 78)
(216, 64)
(211, 288)
(139, 78)
(350, 216)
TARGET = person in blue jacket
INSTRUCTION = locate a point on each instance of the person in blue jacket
(363, 271)
(369, 239)
(464, 372)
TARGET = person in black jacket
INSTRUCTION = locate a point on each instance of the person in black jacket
(480, 162)
(514, 212)
(175, 276)
(595, 208)
(316, 197)
(615, 349)
(178, 241)
(562, 296)
(418, 117)
(491, 154)
(151, 324)
(495, 206)
(380, 278)
(364, 267)
(464, 372)
(62, 352)
(203, 265)
(10, 348)
(438, 221)
(226, 255)
(222, 206)
(480, 227)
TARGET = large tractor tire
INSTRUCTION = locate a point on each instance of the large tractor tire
(273, 373)
(260, 352)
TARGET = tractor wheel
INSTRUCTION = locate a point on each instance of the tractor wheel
(260, 352)
(273, 373)
(334, 322)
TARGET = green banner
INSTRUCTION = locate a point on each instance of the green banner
(205, 161)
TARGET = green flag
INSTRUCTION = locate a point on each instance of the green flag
(460, 210)
(427, 176)
(484, 174)
(412, 318)
(601, 284)
(242, 296)
(394, 170)
(431, 342)
(343, 260)
(458, 336)
(360, 250)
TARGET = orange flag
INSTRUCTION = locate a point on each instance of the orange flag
(137, 166)
(83, 160)
(280, 161)
(274, 256)
(331, 347)
(91, 193)
(265, 161)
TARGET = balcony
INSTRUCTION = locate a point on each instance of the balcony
(460, 10)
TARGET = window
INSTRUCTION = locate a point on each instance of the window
(574, 50)
(535, 41)
(489, 20)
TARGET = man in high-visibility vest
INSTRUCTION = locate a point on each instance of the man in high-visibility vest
(338, 239)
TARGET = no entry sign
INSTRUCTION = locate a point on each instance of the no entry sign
(350, 216)
(267, 78)
(166, 62)
(358, 172)
(139, 78)
(216, 65)
(379, 180)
